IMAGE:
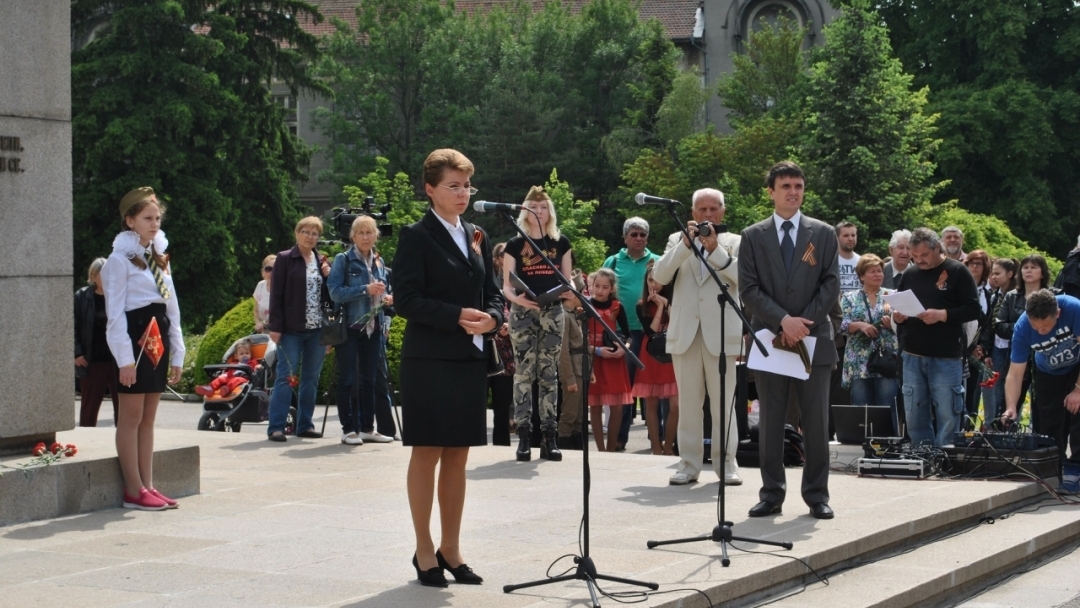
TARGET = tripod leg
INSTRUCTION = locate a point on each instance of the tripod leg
(627, 581)
(725, 561)
(758, 541)
(546, 581)
(656, 543)
(592, 592)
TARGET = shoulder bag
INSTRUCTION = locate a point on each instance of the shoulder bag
(883, 360)
(334, 330)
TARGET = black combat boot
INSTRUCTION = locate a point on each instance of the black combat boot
(524, 453)
(549, 447)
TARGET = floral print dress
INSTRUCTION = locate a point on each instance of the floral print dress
(853, 304)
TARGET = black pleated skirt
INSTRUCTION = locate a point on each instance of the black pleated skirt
(148, 378)
(444, 403)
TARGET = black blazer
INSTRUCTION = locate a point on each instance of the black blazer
(433, 281)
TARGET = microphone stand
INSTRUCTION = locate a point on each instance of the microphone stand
(586, 569)
(722, 532)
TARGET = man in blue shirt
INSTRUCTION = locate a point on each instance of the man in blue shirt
(1048, 327)
(629, 267)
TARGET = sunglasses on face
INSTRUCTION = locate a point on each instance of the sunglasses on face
(268, 269)
(637, 235)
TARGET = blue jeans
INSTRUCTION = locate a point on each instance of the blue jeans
(296, 352)
(873, 391)
(933, 398)
(358, 362)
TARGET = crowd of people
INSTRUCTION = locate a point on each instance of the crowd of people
(495, 319)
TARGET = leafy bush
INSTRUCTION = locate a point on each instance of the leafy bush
(393, 350)
(187, 376)
(233, 325)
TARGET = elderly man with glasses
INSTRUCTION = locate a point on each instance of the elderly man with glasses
(629, 267)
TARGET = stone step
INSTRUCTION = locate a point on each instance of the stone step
(957, 565)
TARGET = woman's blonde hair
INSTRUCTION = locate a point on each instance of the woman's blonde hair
(269, 260)
(95, 269)
(309, 222)
(537, 194)
(364, 220)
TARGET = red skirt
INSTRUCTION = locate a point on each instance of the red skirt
(612, 386)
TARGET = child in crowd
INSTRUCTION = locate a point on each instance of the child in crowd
(611, 382)
(228, 381)
(570, 359)
(657, 380)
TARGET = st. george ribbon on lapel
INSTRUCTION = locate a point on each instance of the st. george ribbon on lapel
(808, 257)
(477, 239)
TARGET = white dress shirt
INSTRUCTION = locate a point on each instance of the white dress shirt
(795, 220)
(128, 287)
(457, 232)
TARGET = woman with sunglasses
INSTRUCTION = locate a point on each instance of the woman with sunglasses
(262, 294)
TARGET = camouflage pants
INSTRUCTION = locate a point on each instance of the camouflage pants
(537, 340)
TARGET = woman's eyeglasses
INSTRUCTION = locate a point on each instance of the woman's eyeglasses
(459, 190)
(268, 269)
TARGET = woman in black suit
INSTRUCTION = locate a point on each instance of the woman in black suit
(444, 285)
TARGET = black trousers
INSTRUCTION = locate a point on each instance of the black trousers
(1054, 420)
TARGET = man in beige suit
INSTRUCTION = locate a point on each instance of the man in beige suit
(693, 336)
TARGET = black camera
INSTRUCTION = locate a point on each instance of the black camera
(707, 228)
(345, 216)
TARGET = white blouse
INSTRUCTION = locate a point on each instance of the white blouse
(128, 287)
(262, 304)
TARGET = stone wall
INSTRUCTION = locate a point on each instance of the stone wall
(36, 359)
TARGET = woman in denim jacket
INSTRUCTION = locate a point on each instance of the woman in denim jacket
(358, 282)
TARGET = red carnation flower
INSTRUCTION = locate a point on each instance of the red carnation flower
(70, 450)
(39, 449)
(294, 381)
(55, 448)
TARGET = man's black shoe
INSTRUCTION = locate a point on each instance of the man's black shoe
(764, 508)
(821, 510)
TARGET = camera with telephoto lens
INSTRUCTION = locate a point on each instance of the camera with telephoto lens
(344, 217)
(707, 228)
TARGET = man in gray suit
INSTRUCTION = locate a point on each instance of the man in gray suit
(788, 281)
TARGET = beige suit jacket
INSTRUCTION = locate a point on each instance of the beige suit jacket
(694, 302)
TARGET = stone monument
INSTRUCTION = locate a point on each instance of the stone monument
(36, 360)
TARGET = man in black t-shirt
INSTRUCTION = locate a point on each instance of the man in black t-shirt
(933, 342)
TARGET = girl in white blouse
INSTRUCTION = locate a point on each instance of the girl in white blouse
(138, 290)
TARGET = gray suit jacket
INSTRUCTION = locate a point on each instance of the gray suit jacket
(810, 290)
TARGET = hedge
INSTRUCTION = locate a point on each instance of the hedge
(239, 322)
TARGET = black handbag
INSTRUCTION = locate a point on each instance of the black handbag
(334, 331)
(883, 360)
(657, 347)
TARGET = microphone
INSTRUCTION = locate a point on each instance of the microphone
(648, 199)
(487, 207)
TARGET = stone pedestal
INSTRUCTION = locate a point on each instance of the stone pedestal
(36, 371)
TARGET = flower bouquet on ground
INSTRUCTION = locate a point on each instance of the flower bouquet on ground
(47, 455)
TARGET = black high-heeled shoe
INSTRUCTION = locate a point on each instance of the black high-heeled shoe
(432, 577)
(462, 574)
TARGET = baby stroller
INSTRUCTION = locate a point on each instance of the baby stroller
(250, 401)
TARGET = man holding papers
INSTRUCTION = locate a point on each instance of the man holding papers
(933, 342)
(788, 281)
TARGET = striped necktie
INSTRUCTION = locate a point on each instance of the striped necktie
(158, 277)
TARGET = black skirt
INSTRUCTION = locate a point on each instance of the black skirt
(148, 378)
(444, 403)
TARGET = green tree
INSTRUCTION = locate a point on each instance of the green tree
(575, 218)
(1005, 78)
(769, 78)
(870, 146)
(397, 192)
(173, 96)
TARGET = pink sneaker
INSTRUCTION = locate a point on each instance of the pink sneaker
(171, 504)
(145, 501)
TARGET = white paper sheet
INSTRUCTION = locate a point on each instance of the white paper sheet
(905, 303)
(780, 361)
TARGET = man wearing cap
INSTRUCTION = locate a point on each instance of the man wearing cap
(629, 267)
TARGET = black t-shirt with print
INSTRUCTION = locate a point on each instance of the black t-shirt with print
(529, 266)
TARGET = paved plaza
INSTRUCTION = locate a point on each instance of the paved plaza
(315, 523)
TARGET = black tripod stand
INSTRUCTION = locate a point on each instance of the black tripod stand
(722, 532)
(586, 569)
